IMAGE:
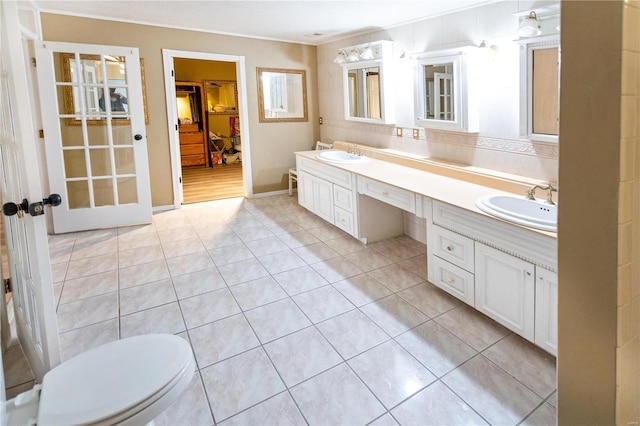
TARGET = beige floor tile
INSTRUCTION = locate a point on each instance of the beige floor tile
(222, 339)
(545, 415)
(199, 282)
(252, 233)
(362, 289)
(241, 272)
(168, 235)
(417, 265)
(384, 420)
(89, 286)
(398, 248)
(135, 241)
(314, 253)
(299, 280)
(83, 250)
(330, 398)
(14, 391)
(322, 303)
(396, 278)
(82, 339)
(276, 320)
(142, 274)
(59, 272)
(345, 245)
(191, 408)
(133, 257)
(163, 319)
(181, 265)
(496, 396)
(208, 307)
(16, 367)
(257, 293)
(429, 299)
(298, 239)
(281, 262)
(391, 373)
(352, 333)
(393, 315)
(326, 232)
(240, 382)
(230, 254)
(92, 266)
(302, 355)
(145, 296)
(337, 269)
(87, 311)
(266, 246)
(368, 259)
(278, 410)
(182, 247)
(472, 327)
(436, 405)
(436, 348)
(532, 366)
(217, 238)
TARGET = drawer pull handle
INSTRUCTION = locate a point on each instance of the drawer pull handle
(449, 248)
(385, 193)
(451, 280)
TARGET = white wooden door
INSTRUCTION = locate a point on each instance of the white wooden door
(323, 199)
(505, 289)
(26, 235)
(305, 190)
(94, 129)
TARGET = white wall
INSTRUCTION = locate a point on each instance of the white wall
(498, 145)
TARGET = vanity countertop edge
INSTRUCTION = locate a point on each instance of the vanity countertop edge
(455, 192)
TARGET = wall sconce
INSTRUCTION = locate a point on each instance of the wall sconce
(356, 53)
(529, 26)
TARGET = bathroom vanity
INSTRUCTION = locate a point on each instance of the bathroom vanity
(506, 271)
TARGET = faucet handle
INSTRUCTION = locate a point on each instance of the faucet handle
(550, 190)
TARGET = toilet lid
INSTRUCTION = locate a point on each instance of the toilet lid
(112, 378)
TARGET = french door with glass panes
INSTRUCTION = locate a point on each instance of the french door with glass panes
(94, 130)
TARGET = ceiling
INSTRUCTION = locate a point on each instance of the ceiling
(309, 22)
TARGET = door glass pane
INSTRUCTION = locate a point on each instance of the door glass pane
(100, 162)
(124, 161)
(103, 192)
(127, 192)
(71, 135)
(98, 135)
(122, 134)
(78, 194)
(74, 163)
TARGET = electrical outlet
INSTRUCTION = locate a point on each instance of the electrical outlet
(399, 132)
(416, 133)
(320, 120)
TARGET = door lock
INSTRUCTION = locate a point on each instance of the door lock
(34, 209)
(10, 209)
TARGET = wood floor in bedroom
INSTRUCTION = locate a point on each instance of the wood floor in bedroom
(212, 183)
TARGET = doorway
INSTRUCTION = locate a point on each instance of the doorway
(225, 171)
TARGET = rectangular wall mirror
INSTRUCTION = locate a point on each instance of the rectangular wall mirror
(102, 82)
(445, 90)
(540, 89)
(364, 92)
(282, 95)
(221, 96)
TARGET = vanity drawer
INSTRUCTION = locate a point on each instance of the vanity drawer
(453, 247)
(343, 198)
(454, 280)
(326, 172)
(401, 198)
(343, 220)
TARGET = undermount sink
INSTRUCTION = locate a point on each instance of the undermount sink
(520, 210)
(341, 157)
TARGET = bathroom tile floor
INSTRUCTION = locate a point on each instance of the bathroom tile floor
(294, 322)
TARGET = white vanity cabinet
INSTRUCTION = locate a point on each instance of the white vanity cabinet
(546, 335)
(328, 192)
(452, 263)
(505, 289)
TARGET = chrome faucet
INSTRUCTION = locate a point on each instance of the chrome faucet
(531, 193)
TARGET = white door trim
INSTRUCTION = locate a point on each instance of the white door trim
(168, 56)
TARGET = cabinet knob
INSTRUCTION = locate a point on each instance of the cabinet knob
(451, 280)
(385, 193)
(528, 273)
(449, 248)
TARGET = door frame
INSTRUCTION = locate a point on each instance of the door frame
(168, 57)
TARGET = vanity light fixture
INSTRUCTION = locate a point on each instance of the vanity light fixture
(353, 56)
(356, 53)
(341, 58)
(367, 53)
(529, 26)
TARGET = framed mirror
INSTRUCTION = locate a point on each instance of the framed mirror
(221, 96)
(367, 76)
(540, 89)
(282, 95)
(445, 91)
(105, 86)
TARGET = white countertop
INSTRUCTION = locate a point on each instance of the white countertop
(452, 191)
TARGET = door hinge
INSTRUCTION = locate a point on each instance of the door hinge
(41, 133)
(172, 75)
(8, 288)
(180, 179)
(34, 62)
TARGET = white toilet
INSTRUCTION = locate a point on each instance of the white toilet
(126, 382)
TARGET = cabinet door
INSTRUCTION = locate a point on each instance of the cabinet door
(305, 190)
(323, 199)
(547, 310)
(505, 289)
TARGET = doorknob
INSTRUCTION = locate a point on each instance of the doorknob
(36, 209)
(9, 209)
(138, 137)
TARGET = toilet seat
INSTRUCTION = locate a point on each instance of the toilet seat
(128, 381)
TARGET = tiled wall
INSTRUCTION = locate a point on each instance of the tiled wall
(628, 340)
(498, 145)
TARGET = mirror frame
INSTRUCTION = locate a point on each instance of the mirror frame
(208, 83)
(67, 93)
(464, 88)
(261, 101)
(526, 85)
(382, 51)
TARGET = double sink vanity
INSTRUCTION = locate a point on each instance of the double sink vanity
(487, 244)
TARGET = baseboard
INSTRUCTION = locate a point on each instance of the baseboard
(271, 193)
(158, 209)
